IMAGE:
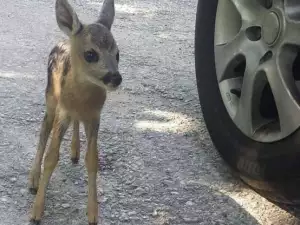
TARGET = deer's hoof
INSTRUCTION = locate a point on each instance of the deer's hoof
(75, 160)
(35, 222)
(33, 191)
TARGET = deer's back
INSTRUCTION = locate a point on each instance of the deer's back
(59, 66)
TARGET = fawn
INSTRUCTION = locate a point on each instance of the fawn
(80, 71)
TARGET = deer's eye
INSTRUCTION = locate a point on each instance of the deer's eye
(118, 57)
(91, 56)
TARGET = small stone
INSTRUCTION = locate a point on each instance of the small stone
(140, 191)
(191, 220)
(23, 191)
(13, 179)
(104, 200)
(189, 203)
(76, 183)
(4, 199)
(65, 205)
(124, 217)
(131, 213)
(224, 214)
(155, 212)
(168, 183)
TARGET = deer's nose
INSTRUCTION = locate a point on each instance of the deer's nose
(113, 78)
(117, 79)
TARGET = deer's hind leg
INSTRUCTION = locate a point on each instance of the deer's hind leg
(47, 124)
(75, 144)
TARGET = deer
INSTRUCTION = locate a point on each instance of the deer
(81, 70)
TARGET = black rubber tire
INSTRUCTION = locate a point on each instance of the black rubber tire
(273, 170)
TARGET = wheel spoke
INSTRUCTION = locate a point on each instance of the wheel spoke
(285, 93)
(226, 54)
(292, 9)
(253, 84)
(229, 55)
(278, 3)
(292, 33)
(231, 92)
(248, 107)
(250, 10)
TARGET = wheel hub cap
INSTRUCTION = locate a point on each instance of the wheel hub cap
(270, 28)
(257, 58)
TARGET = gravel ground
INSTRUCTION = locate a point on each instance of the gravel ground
(158, 165)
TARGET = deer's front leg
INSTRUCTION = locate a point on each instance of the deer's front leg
(75, 144)
(34, 175)
(60, 126)
(91, 162)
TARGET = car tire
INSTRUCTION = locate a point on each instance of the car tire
(271, 169)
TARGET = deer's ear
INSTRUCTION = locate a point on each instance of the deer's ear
(107, 13)
(66, 18)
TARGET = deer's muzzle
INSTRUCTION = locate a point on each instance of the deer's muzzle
(112, 78)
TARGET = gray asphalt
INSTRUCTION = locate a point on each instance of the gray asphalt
(158, 165)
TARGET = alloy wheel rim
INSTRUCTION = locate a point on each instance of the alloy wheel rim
(257, 58)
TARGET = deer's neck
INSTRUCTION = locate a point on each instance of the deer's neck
(82, 98)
